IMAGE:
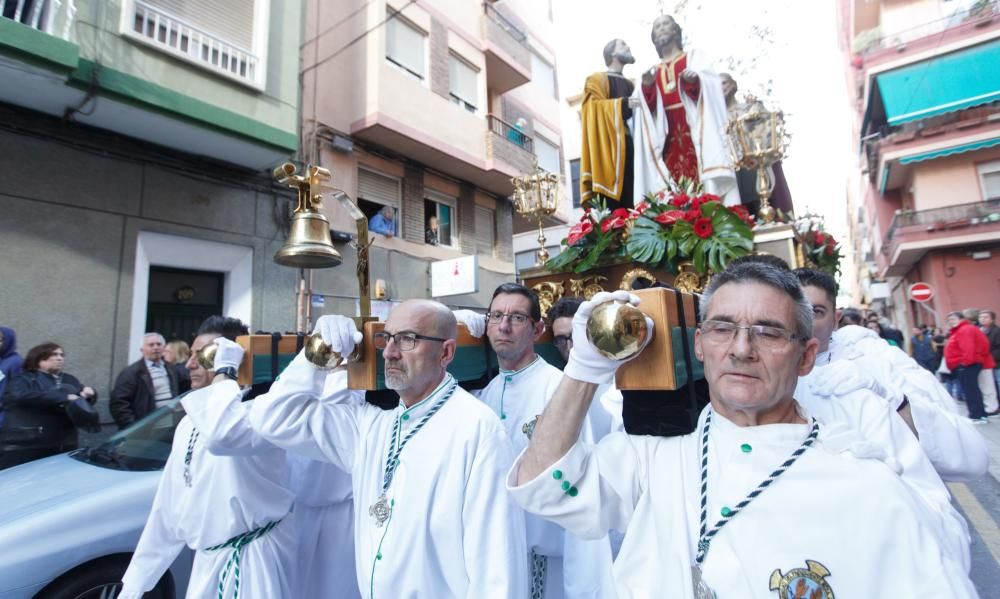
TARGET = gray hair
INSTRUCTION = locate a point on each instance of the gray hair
(153, 334)
(766, 274)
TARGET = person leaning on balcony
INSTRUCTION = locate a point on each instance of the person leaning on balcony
(383, 222)
(516, 133)
(690, 524)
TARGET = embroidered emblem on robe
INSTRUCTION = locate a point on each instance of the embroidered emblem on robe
(803, 583)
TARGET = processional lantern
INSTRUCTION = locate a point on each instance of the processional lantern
(757, 140)
(536, 196)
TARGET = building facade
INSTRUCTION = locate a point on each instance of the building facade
(926, 208)
(137, 139)
(427, 107)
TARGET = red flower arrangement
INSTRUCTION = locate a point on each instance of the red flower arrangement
(668, 227)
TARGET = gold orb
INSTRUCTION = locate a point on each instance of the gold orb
(206, 356)
(617, 330)
(321, 354)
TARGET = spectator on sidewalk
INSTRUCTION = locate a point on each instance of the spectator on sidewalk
(176, 353)
(44, 408)
(10, 361)
(988, 324)
(144, 384)
(964, 356)
(922, 349)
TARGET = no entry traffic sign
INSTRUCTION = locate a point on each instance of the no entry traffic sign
(921, 292)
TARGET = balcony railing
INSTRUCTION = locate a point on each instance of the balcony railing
(54, 17)
(873, 40)
(505, 24)
(173, 35)
(945, 218)
(503, 129)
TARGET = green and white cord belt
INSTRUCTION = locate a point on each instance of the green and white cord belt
(237, 544)
(539, 563)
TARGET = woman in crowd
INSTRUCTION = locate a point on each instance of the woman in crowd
(176, 353)
(44, 406)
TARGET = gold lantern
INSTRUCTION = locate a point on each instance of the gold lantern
(535, 197)
(757, 140)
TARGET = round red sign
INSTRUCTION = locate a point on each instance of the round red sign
(921, 292)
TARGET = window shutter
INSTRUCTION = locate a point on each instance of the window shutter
(462, 80)
(991, 185)
(485, 231)
(231, 20)
(404, 44)
(378, 188)
(548, 155)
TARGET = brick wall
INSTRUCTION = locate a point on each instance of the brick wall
(439, 59)
(413, 204)
(467, 218)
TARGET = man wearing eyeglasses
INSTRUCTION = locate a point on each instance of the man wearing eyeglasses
(561, 564)
(431, 518)
(760, 498)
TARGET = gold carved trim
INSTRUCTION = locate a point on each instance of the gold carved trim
(629, 278)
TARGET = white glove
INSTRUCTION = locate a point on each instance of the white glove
(228, 354)
(585, 362)
(339, 332)
(474, 321)
(843, 377)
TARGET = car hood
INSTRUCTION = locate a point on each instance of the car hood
(58, 481)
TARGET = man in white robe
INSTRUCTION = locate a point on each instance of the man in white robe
(872, 416)
(761, 497)
(562, 565)
(221, 499)
(431, 518)
(957, 451)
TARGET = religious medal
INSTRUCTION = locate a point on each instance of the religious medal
(671, 87)
(701, 590)
(380, 510)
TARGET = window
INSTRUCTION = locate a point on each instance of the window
(439, 219)
(404, 45)
(543, 75)
(574, 175)
(463, 81)
(485, 231)
(989, 174)
(548, 155)
(375, 192)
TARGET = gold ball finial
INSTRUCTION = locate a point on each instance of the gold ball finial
(617, 330)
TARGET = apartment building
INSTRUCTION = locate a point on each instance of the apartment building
(414, 105)
(137, 139)
(926, 207)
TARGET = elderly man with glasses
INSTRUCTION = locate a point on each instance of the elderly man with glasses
(761, 497)
(431, 518)
(562, 565)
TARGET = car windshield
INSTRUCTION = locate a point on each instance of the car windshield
(144, 445)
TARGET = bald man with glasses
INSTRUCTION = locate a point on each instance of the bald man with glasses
(431, 518)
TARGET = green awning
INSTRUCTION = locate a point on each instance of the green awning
(976, 145)
(943, 84)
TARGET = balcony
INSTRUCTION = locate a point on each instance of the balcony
(172, 35)
(914, 233)
(876, 46)
(508, 58)
(508, 145)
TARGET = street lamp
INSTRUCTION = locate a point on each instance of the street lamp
(757, 140)
(535, 197)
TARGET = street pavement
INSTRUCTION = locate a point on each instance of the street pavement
(979, 502)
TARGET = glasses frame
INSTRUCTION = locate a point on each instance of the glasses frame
(752, 334)
(509, 317)
(395, 338)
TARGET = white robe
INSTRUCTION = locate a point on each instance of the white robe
(957, 451)
(577, 568)
(854, 516)
(453, 531)
(707, 117)
(878, 423)
(237, 486)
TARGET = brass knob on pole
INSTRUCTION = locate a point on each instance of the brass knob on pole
(617, 330)
(322, 355)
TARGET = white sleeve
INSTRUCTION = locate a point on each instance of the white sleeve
(493, 525)
(158, 546)
(587, 567)
(220, 416)
(602, 487)
(311, 413)
(956, 449)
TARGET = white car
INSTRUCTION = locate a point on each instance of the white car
(69, 523)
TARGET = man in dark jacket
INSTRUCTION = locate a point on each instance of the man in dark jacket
(144, 384)
(963, 356)
(10, 361)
